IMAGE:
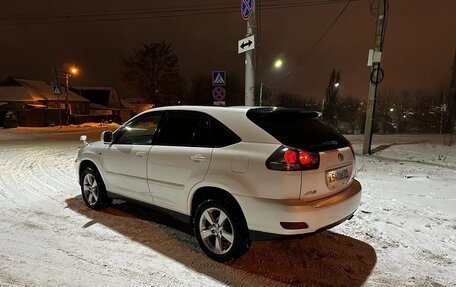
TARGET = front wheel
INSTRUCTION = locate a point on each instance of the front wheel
(221, 232)
(92, 189)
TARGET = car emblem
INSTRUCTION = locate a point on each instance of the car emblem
(340, 157)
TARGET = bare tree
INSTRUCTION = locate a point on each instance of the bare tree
(153, 72)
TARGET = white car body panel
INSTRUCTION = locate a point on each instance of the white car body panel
(256, 180)
(314, 182)
(265, 215)
(125, 170)
(172, 171)
(168, 177)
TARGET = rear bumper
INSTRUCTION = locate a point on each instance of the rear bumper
(258, 235)
(264, 216)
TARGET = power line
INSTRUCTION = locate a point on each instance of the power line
(315, 45)
(136, 14)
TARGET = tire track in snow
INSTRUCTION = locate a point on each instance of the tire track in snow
(38, 173)
(11, 172)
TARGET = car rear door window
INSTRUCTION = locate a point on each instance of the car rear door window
(140, 131)
(203, 135)
(185, 128)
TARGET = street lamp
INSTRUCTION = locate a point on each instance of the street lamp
(72, 71)
(336, 84)
(67, 73)
(278, 63)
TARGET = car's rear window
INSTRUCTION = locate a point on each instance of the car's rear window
(296, 128)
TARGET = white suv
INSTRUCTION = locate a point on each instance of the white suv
(236, 174)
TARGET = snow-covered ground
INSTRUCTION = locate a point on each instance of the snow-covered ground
(404, 233)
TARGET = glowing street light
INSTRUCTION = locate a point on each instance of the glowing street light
(278, 64)
(336, 84)
(74, 70)
(67, 73)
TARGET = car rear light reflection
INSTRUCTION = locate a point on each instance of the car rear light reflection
(289, 159)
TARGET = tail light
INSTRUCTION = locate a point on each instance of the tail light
(287, 158)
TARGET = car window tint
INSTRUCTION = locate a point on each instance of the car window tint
(223, 136)
(297, 128)
(203, 135)
(179, 128)
(140, 131)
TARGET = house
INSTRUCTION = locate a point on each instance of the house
(34, 104)
(105, 103)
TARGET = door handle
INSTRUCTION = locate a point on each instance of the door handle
(141, 154)
(198, 158)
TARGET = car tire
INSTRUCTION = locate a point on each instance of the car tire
(93, 189)
(220, 230)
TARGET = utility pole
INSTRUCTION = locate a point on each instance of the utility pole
(250, 58)
(57, 93)
(67, 92)
(377, 73)
(261, 93)
(451, 106)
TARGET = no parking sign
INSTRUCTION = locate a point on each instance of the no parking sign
(218, 94)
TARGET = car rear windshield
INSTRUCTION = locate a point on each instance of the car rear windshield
(296, 128)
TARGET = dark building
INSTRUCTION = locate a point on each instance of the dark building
(33, 103)
(105, 104)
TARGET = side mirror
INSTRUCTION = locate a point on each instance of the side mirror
(106, 136)
(83, 138)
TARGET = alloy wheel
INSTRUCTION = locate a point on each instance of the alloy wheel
(216, 230)
(90, 189)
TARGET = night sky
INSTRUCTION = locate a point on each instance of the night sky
(418, 52)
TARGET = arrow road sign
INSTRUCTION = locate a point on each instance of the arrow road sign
(246, 44)
(246, 9)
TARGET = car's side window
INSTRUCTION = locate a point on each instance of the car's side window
(185, 128)
(140, 131)
(223, 136)
(203, 134)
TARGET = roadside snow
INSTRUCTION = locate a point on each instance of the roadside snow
(408, 211)
(404, 233)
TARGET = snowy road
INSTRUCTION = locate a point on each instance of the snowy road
(404, 233)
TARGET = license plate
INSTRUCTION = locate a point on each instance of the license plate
(337, 178)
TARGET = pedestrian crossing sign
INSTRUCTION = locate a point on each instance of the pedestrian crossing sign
(218, 78)
(57, 91)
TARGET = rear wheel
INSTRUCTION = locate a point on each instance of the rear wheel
(93, 189)
(221, 232)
